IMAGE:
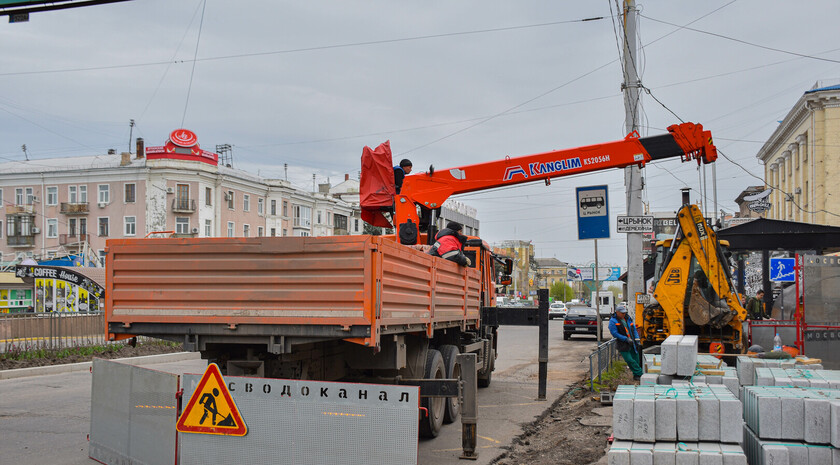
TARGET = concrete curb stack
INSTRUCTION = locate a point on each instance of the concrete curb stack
(825, 379)
(791, 425)
(677, 453)
(746, 366)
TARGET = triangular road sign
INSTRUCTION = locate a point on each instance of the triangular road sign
(211, 409)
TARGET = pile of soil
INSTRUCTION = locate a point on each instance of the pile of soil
(114, 351)
(559, 437)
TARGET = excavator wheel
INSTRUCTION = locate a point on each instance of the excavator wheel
(435, 406)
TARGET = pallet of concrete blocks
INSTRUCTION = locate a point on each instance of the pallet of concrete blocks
(824, 379)
(679, 355)
(653, 363)
(809, 415)
(725, 376)
(676, 413)
(769, 452)
(675, 453)
(746, 366)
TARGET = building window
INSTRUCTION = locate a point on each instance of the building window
(103, 227)
(273, 207)
(356, 224)
(230, 229)
(1, 229)
(229, 198)
(319, 217)
(82, 194)
(285, 208)
(30, 196)
(273, 232)
(83, 226)
(104, 193)
(246, 230)
(303, 233)
(71, 227)
(246, 202)
(303, 216)
(52, 195)
(18, 225)
(208, 196)
(19, 196)
(182, 225)
(260, 231)
(130, 193)
(72, 195)
(260, 206)
(208, 228)
(52, 227)
(285, 232)
(101, 253)
(130, 225)
(1, 198)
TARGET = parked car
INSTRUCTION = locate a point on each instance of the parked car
(580, 320)
(556, 310)
(605, 312)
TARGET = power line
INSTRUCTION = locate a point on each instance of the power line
(195, 54)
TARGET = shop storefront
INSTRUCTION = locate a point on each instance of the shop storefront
(60, 289)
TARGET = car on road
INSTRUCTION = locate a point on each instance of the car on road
(605, 312)
(556, 310)
(580, 320)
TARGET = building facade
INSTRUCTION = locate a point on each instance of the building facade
(524, 265)
(800, 159)
(72, 205)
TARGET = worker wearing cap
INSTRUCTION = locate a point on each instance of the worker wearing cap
(399, 173)
(624, 331)
(449, 244)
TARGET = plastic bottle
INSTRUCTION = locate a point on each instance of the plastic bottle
(777, 342)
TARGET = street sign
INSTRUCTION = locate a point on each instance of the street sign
(634, 224)
(781, 270)
(211, 409)
(593, 212)
(643, 299)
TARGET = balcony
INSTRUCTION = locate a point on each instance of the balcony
(64, 239)
(183, 205)
(184, 235)
(302, 223)
(68, 208)
(20, 241)
(20, 209)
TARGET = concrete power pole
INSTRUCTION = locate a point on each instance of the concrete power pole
(632, 174)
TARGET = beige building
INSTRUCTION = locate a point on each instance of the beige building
(524, 265)
(801, 158)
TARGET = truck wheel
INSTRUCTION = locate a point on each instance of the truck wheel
(453, 371)
(485, 378)
(435, 406)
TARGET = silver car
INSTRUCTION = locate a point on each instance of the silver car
(557, 310)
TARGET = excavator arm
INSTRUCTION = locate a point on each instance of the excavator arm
(430, 189)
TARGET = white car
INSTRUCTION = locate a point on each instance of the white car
(556, 310)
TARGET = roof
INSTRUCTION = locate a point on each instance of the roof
(837, 87)
(66, 164)
(550, 263)
(767, 234)
(10, 278)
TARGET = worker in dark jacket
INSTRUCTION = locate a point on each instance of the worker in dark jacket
(449, 244)
(755, 307)
(624, 331)
(399, 173)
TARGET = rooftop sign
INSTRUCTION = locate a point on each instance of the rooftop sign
(182, 145)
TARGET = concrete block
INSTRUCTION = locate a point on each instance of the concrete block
(665, 453)
(732, 383)
(835, 423)
(817, 421)
(731, 420)
(669, 355)
(665, 380)
(641, 454)
(699, 379)
(793, 418)
(797, 454)
(666, 419)
(623, 417)
(619, 453)
(733, 454)
(687, 419)
(819, 455)
(687, 454)
(687, 355)
(649, 379)
(835, 456)
(709, 454)
(775, 454)
(746, 371)
(708, 428)
(714, 379)
(644, 420)
(770, 418)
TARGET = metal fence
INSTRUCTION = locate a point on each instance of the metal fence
(600, 360)
(55, 330)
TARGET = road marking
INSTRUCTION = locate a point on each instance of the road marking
(489, 439)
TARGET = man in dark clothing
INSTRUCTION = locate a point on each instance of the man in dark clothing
(449, 244)
(755, 307)
(399, 173)
(623, 329)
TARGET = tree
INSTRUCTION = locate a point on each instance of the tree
(372, 230)
(616, 290)
(561, 291)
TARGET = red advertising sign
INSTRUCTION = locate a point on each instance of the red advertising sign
(183, 138)
(182, 145)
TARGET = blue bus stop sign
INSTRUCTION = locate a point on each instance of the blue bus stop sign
(593, 212)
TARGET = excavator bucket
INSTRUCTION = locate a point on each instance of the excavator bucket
(705, 313)
(376, 186)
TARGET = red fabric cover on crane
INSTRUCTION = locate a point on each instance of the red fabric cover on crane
(376, 186)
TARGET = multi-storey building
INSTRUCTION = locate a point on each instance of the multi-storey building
(524, 265)
(800, 159)
(78, 203)
(552, 271)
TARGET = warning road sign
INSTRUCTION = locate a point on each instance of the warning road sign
(211, 409)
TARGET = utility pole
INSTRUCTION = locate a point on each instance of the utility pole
(632, 174)
(130, 133)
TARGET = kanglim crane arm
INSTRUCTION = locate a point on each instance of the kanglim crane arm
(429, 190)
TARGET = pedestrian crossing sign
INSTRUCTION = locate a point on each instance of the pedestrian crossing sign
(211, 409)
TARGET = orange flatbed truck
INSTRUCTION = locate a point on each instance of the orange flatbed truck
(352, 307)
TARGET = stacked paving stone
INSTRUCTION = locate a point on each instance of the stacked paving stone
(708, 370)
(826, 379)
(791, 425)
(679, 355)
(747, 365)
(695, 453)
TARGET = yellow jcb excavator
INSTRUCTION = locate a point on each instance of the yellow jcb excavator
(693, 292)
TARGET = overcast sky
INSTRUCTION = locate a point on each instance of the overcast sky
(311, 83)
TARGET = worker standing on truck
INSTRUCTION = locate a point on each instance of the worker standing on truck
(449, 244)
(624, 331)
(755, 310)
(399, 173)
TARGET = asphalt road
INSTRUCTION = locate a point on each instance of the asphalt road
(45, 419)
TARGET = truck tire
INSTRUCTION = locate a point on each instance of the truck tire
(453, 371)
(485, 377)
(435, 406)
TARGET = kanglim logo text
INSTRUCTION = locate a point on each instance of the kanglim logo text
(536, 169)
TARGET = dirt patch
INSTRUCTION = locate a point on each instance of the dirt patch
(110, 352)
(560, 437)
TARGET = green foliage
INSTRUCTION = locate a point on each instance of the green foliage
(561, 292)
(616, 290)
(372, 230)
(609, 378)
(38, 350)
